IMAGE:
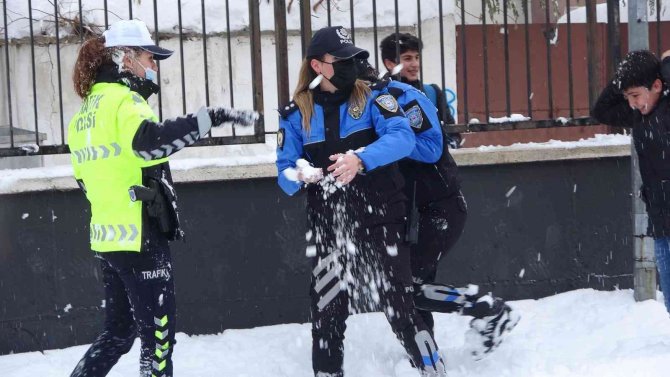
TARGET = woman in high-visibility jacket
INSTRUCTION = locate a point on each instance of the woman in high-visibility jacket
(119, 154)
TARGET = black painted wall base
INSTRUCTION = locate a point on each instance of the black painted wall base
(534, 229)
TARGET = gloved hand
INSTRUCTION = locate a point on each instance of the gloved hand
(220, 115)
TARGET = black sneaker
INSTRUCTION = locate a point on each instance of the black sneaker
(486, 334)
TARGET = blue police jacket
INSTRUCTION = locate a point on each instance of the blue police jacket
(423, 119)
(430, 168)
(393, 139)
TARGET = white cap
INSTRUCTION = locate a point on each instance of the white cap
(133, 33)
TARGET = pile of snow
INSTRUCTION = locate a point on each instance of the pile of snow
(215, 14)
(229, 155)
(582, 333)
(597, 140)
(511, 118)
(9, 177)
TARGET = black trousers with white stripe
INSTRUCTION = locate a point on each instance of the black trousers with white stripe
(367, 269)
(441, 225)
(139, 301)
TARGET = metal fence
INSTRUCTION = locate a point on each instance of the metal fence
(508, 57)
(20, 141)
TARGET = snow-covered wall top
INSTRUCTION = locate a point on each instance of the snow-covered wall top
(215, 14)
(578, 15)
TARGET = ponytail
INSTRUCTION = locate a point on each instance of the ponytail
(92, 56)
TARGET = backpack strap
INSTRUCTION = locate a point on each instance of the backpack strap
(431, 93)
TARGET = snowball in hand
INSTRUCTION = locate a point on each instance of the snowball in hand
(308, 172)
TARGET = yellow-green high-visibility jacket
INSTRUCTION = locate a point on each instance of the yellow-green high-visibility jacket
(100, 137)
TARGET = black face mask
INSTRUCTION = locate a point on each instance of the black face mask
(141, 86)
(345, 75)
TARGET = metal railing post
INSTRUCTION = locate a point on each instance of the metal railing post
(281, 50)
(257, 67)
(644, 275)
(594, 67)
(305, 25)
(613, 36)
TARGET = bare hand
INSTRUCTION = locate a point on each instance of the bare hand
(346, 166)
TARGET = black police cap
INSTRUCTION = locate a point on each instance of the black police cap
(336, 41)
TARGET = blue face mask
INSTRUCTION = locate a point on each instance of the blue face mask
(149, 73)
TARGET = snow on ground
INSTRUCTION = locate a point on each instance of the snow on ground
(582, 333)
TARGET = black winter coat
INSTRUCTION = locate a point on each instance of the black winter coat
(651, 136)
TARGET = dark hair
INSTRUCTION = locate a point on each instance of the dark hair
(92, 56)
(406, 42)
(638, 68)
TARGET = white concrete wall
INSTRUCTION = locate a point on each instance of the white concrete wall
(431, 61)
(48, 95)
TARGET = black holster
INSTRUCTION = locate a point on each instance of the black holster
(155, 202)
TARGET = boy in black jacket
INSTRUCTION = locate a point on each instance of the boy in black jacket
(637, 98)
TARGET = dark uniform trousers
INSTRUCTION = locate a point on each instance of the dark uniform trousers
(363, 268)
(441, 224)
(139, 301)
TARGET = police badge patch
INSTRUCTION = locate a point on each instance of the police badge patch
(415, 117)
(355, 111)
(280, 138)
(345, 37)
(387, 102)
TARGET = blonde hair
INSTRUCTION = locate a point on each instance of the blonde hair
(303, 97)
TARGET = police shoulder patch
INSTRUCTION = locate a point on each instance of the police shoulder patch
(355, 111)
(415, 117)
(280, 138)
(387, 102)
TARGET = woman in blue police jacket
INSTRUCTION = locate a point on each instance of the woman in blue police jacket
(338, 126)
